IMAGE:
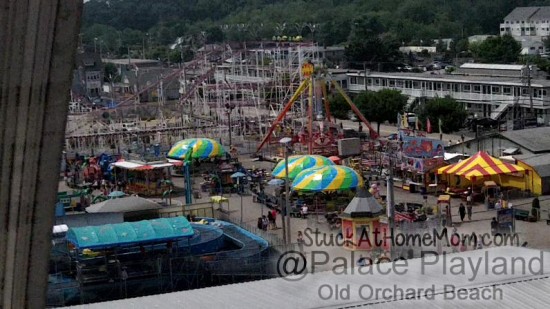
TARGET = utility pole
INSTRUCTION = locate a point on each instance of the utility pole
(365, 69)
(529, 87)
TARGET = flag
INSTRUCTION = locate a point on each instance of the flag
(440, 123)
(405, 122)
(428, 126)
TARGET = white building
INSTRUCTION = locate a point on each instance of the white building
(528, 25)
(483, 90)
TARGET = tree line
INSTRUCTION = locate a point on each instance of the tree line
(385, 105)
(118, 25)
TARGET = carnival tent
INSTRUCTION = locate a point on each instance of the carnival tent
(196, 148)
(480, 165)
(297, 164)
(327, 179)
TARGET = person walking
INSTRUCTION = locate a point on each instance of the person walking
(494, 226)
(535, 209)
(265, 223)
(274, 215)
(270, 219)
(300, 241)
(462, 212)
(469, 211)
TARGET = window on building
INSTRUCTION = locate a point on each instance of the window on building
(466, 88)
(408, 84)
(524, 92)
(353, 80)
(377, 81)
(438, 86)
(507, 90)
(369, 82)
(477, 89)
(495, 90)
(416, 85)
(399, 84)
(456, 87)
(391, 83)
(384, 82)
(544, 92)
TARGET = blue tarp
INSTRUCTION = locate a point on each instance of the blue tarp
(129, 233)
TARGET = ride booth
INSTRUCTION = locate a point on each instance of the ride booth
(144, 178)
(360, 220)
(419, 157)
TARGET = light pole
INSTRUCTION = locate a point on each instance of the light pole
(229, 109)
(241, 194)
(391, 200)
(285, 141)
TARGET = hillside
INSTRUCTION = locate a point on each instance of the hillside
(118, 24)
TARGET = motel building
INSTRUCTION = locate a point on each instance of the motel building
(496, 91)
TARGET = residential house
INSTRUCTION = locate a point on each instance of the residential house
(88, 74)
(530, 26)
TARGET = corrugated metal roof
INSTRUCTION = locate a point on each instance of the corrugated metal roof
(540, 162)
(491, 66)
(535, 140)
(306, 293)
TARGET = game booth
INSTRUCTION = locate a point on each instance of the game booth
(483, 174)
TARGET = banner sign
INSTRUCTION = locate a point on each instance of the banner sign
(421, 147)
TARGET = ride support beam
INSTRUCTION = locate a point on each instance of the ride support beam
(323, 85)
(288, 106)
(310, 117)
(373, 134)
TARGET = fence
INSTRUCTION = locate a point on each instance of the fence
(198, 210)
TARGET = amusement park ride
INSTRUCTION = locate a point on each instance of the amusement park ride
(321, 134)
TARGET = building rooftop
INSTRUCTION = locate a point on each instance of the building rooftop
(540, 162)
(492, 66)
(536, 140)
(132, 61)
(489, 80)
(521, 289)
(529, 13)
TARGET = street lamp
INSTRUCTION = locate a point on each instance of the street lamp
(390, 201)
(238, 176)
(285, 141)
(229, 108)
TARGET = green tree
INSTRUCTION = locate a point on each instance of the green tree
(498, 49)
(381, 106)
(339, 108)
(451, 113)
(110, 73)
